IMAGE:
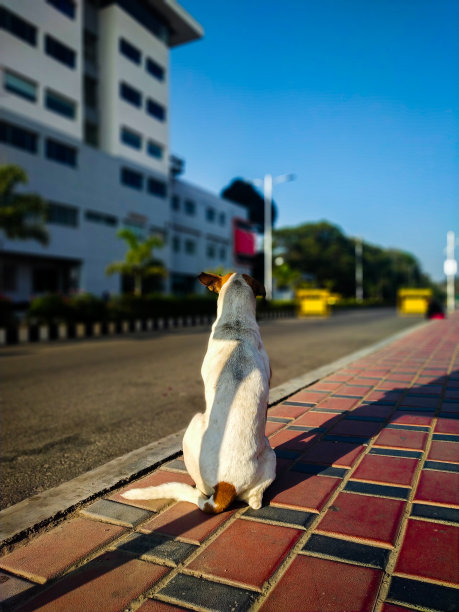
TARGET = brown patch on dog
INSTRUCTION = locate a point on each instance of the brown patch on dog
(224, 493)
(214, 282)
(256, 286)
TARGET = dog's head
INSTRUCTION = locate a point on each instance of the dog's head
(215, 282)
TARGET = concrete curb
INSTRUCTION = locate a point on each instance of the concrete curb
(38, 511)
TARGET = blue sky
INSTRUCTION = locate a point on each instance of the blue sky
(358, 98)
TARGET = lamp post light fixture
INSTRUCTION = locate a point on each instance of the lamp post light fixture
(267, 183)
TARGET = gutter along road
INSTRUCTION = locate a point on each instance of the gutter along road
(70, 407)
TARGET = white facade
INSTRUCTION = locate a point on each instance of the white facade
(97, 152)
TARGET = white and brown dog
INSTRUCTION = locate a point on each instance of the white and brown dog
(225, 448)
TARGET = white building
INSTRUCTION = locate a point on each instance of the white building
(84, 109)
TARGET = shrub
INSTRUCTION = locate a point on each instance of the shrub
(87, 308)
(47, 309)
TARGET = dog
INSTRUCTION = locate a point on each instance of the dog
(225, 449)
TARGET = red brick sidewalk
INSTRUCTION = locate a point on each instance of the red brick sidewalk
(364, 514)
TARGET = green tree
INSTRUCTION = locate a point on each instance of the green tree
(139, 262)
(244, 193)
(22, 215)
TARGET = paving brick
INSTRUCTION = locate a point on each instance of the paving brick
(311, 584)
(176, 464)
(207, 594)
(407, 418)
(118, 514)
(354, 390)
(51, 553)
(370, 518)
(186, 521)
(447, 426)
(283, 410)
(449, 407)
(341, 454)
(346, 550)
(350, 427)
(154, 605)
(424, 595)
(444, 451)
(11, 589)
(446, 437)
(300, 491)
(388, 396)
(273, 427)
(325, 386)
(442, 544)
(235, 553)
(436, 513)
(402, 438)
(308, 396)
(285, 516)
(441, 465)
(374, 409)
(107, 584)
(157, 547)
(394, 452)
(292, 439)
(393, 608)
(391, 385)
(370, 488)
(315, 468)
(156, 478)
(391, 470)
(438, 488)
(432, 390)
(318, 419)
(338, 403)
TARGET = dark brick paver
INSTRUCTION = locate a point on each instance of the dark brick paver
(363, 515)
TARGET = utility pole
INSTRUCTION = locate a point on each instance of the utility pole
(358, 270)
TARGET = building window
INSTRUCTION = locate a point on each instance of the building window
(154, 69)
(61, 214)
(131, 95)
(60, 105)
(130, 138)
(60, 52)
(17, 26)
(131, 178)
(45, 279)
(211, 251)
(67, 7)
(61, 153)
(156, 110)
(90, 91)
(176, 244)
(157, 188)
(154, 150)
(101, 218)
(190, 247)
(20, 86)
(190, 207)
(222, 253)
(222, 218)
(175, 203)
(18, 137)
(210, 214)
(91, 133)
(90, 47)
(129, 51)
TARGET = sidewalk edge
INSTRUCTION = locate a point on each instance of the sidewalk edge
(38, 511)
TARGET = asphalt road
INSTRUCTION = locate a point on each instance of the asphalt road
(68, 408)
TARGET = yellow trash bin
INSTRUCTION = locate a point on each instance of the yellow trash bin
(413, 302)
(313, 302)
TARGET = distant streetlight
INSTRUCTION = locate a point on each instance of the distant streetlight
(267, 183)
(358, 269)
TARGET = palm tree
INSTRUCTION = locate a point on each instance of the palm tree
(22, 215)
(139, 261)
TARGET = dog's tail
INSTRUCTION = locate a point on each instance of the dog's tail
(223, 495)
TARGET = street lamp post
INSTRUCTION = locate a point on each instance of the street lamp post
(450, 269)
(267, 183)
(358, 270)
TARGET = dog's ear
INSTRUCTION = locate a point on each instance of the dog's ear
(213, 282)
(256, 287)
